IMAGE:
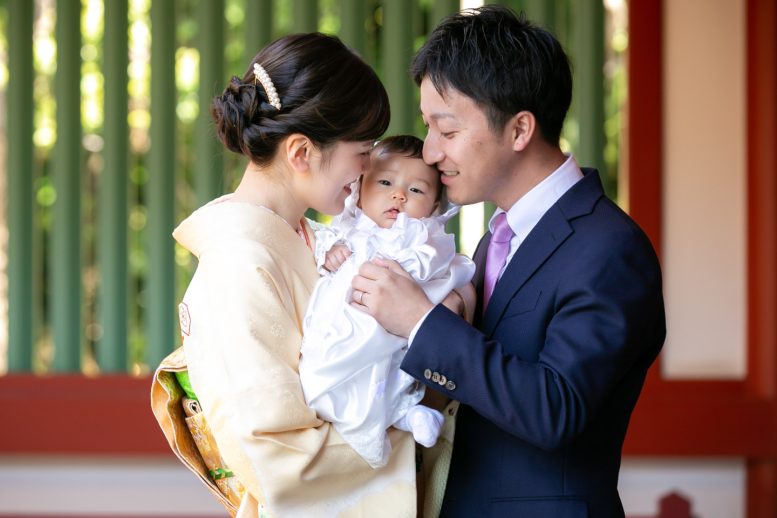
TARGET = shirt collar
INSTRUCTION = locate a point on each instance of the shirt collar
(527, 211)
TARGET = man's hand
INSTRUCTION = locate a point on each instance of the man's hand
(388, 293)
(335, 257)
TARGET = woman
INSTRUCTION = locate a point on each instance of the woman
(305, 114)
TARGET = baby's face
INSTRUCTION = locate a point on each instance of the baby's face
(394, 184)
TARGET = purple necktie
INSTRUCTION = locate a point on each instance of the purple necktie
(496, 256)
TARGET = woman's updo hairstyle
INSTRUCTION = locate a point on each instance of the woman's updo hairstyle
(327, 93)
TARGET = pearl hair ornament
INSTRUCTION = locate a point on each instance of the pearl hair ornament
(260, 74)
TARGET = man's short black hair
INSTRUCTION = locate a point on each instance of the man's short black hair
(504, 63)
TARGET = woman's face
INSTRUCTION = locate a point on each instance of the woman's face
(334, 172)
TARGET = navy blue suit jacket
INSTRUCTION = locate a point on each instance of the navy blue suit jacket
(548, 377)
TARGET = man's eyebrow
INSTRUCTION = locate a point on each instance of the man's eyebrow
(438, 115)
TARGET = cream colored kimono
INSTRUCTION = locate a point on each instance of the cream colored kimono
(241, 322)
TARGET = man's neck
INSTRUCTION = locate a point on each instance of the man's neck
(533, 168)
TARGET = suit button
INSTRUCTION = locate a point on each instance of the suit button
(436, 377)
(428, 373)
(443, 380)
(450, 385)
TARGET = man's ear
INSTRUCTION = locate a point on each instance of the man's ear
(522, 126)
(299, 151)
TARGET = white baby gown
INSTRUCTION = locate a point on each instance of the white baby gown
(349, 367)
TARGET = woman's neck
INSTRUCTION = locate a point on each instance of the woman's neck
(265, 186)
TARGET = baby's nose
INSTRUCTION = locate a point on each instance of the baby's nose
(399, 195)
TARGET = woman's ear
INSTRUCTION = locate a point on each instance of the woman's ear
(299, 151)
(359, 186)
(522, 127)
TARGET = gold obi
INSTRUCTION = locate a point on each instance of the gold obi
(184, 426)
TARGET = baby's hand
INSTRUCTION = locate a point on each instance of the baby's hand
(335, 257)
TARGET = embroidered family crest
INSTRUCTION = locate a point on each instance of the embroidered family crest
(184, 319)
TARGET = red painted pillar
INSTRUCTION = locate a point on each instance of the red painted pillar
(762, 239)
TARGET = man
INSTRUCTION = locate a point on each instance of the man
(570, 310)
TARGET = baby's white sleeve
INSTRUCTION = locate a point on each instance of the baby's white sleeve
(326, 238)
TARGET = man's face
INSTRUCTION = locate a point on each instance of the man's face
(476, 163)
(394, 184)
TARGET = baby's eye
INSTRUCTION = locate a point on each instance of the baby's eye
(416, 190)
(384, 182)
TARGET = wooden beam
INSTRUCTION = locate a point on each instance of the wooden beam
(208, 151)
(701, 419)
(75, 414)
(305, 14)
(258, 23)
(397, 50)
(112, 203)
(160, 314)
(65, 253)
(761, 62)
(20, 204)
(353, 32)
(112, 415)
(587, 55)
(644, 150)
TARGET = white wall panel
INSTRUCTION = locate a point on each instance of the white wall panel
(704, 189)
(124, 486)
(715, 488)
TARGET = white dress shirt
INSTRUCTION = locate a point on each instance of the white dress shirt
(525, 213)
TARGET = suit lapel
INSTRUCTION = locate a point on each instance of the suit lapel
(479, 257)
(541, 242)
(552, 230)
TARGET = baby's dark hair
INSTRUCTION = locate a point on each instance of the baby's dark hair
(326, 93)
(404, 145)
(412, 147)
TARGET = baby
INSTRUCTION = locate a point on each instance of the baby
(350, 365)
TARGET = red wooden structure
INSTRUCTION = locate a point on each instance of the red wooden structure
(111, 415)
(714, 418)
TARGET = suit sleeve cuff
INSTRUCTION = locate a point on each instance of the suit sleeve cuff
(417, 327)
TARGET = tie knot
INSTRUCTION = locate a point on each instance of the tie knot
(502, 231)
